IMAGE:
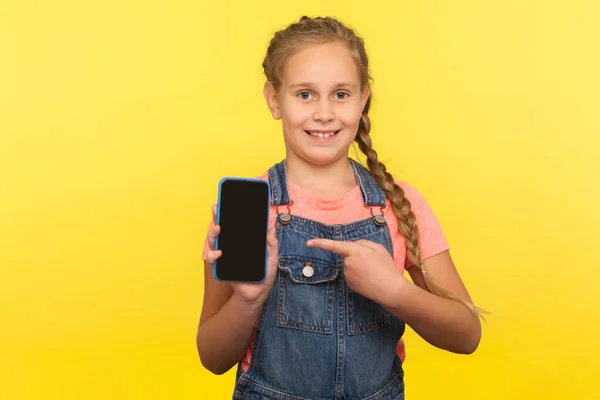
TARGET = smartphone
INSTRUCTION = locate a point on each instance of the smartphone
(243, 215)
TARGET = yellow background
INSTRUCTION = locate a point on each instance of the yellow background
(118, 118)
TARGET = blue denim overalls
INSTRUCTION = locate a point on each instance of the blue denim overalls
(316, 338)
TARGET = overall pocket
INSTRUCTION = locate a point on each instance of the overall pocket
(306, 294)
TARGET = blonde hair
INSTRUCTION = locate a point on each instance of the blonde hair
(310, 31)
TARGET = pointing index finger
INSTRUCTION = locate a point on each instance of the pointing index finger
(335, 246)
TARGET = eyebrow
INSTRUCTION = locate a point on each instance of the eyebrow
(308, 84)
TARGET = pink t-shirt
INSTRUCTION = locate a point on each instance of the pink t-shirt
(349, 208)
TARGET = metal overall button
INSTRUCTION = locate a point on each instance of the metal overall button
(379, 218)
(308, 270)
(285, 217)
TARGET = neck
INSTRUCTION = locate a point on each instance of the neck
(328, 180)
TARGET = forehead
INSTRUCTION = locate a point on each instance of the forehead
(321, 64)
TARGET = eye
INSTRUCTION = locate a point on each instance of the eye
(341, 95)
(304, 95)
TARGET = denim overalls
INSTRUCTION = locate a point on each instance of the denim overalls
(316, 338)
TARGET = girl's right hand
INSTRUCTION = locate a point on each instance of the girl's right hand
(250, 293)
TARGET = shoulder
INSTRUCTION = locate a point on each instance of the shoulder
(425, 215)
(414, 196)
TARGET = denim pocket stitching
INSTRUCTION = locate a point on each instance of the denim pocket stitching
(286, 277)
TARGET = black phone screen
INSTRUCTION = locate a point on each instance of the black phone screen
(243, 214)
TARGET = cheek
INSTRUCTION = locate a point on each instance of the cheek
(349, 116)
(295, 117)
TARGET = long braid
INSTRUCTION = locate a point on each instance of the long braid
(407, 223)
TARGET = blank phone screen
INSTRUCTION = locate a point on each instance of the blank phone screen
(243, 214)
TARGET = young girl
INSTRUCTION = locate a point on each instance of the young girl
(327, 322)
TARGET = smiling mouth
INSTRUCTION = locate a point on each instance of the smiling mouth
(322, 134)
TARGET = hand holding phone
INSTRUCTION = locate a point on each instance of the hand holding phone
(247, 290)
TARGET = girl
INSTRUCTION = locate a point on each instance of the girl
(327, 322)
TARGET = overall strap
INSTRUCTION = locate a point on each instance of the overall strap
(278, 182)
(373, 195)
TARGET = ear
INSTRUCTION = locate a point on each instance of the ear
(365, 96)
(272, 100)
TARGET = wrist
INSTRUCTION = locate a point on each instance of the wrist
(248, 306)
(395, 294)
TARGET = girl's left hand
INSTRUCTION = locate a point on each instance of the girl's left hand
(368, 267)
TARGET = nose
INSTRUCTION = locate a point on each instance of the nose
(324, 111)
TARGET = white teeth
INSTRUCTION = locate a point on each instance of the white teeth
(322, 135)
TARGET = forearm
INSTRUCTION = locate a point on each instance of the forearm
(444, 323)
(223, 339)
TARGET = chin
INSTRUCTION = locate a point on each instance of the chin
(323, 156)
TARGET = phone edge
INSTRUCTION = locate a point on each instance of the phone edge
(217, 219)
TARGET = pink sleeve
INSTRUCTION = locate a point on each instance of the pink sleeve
(431, 236)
